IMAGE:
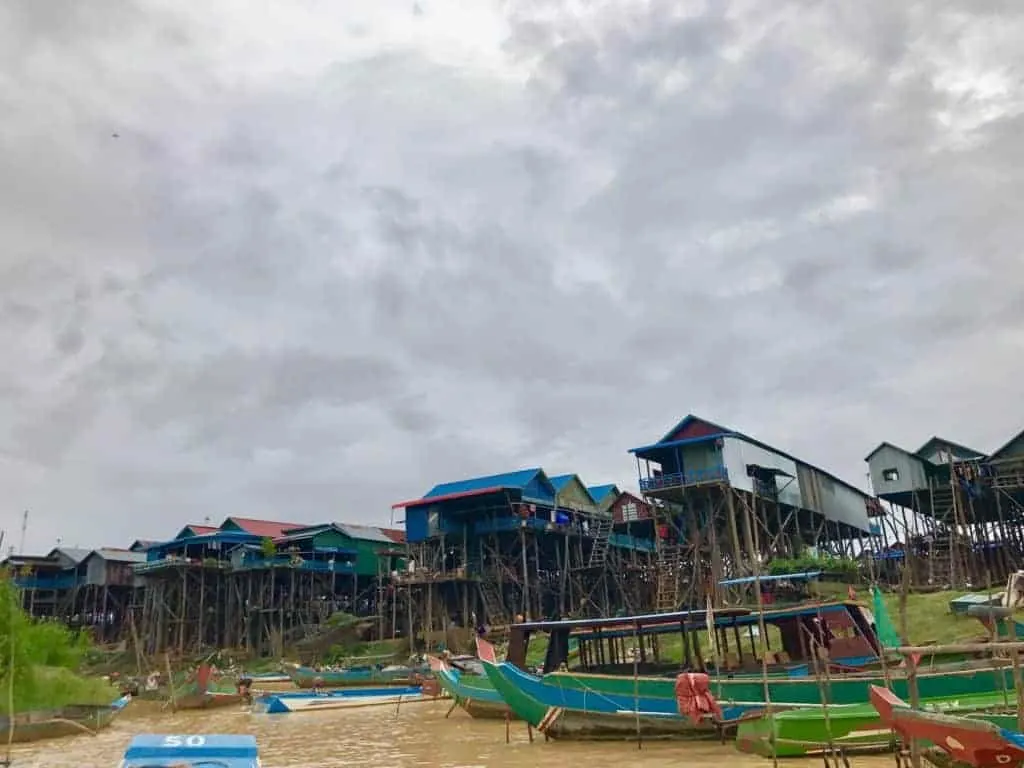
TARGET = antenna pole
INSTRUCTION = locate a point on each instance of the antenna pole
(24, 530)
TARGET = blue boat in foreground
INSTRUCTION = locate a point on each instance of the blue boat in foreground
(302, 701)
(194, 750)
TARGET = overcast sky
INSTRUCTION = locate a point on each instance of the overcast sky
(300, 260)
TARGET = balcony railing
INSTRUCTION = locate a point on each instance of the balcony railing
(53, 582)
(287, 561)
(191, 562)
(682, 479)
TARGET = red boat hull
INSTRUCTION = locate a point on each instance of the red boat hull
(972, 742)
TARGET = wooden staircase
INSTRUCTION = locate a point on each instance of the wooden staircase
(670, 567)
(601, 530)
(494, 606)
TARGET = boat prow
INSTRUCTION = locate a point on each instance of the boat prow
(223, 750)
(966, 741)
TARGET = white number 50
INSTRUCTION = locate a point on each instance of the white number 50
(184, 741)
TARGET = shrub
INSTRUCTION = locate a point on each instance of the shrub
(41, 656)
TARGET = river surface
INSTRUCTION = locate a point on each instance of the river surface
(378, 737)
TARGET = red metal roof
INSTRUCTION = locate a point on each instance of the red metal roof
(202, 530)
(394, 534)
(269, 529)
(448, 497)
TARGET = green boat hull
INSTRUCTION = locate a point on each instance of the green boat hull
(789, 691)
(476, 695)
(856, 728)
(592, 725)
(784, 693)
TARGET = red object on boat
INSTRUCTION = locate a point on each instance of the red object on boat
(203, 677)
(974, 742)
(485, 651)
(693, 696)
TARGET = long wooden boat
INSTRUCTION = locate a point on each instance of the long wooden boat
(857, 728)
(281, 703)
(570, 705)
(72, 720)
(474, 693)
(204, 692)
(372, 676)
(588, 714)
(187, 750)
(950, 740)
(269, 677)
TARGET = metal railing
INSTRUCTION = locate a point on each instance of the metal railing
(682, 479)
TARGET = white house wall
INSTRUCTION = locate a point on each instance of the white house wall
(835, 501)
(738, 453)
(840, 503)
(910, 471)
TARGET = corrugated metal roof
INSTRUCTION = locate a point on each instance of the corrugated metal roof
(74, 554)
(365, 533)
(600, 491)
(270, 529)
(517, 479)
(560, 481)
(120, 555)
(395, 534)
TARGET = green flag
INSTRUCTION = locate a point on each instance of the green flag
(887, 633)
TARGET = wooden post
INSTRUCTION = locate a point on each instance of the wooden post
(762, 628)
(170, 681)
(1017, 683)
(911, 662)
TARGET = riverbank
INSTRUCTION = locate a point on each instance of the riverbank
(929, 620)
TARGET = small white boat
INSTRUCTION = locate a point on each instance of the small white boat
(307, 701)
(269, 677)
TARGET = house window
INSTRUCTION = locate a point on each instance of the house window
(629, 512)
(890, 475)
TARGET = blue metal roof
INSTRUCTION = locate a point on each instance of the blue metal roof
(805, 576)
(560, 481)
(598, 492)
(207, 539)
(518, 479)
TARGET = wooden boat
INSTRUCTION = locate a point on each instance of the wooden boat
(187, 750)
(602, 699)
(72, 720)
(954, 740)
(202, 692)
(856, 728)
(351, 677)
(280, 703)
(472, 691)
(579, 712)
(269, 677)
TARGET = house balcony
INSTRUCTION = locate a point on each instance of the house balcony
(257, 562)
(46, 582)
(693, 477)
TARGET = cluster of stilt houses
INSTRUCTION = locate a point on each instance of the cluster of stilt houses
(711, 506)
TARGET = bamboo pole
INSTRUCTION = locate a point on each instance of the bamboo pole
(636, 684)
(762, 628)
(909, 650)
(170, 682)
(1017, 684)
(915, 748)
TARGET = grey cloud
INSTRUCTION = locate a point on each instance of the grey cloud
(310, 283)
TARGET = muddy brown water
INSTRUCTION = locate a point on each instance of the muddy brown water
(379, 737)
